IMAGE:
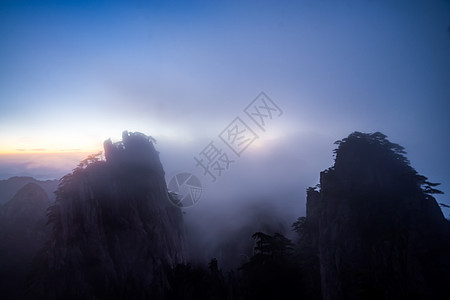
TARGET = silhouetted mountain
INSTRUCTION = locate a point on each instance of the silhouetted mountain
(115, 232)
(377, 231)
(372, 231)
(9, 187)
(22, 233)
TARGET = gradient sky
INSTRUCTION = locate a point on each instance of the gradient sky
(73, 73)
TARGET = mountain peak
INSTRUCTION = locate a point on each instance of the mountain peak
(30, 191)
(116, 218)
(136, 150)
(29, 199)
(375, 226)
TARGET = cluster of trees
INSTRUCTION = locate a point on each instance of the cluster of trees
(279, 269)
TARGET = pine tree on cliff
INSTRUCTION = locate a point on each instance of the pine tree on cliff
(115, 232)
(376, 226)
(272, 272)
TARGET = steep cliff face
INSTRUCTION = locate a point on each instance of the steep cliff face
(22, 233)
(114, 228)
(380, 234)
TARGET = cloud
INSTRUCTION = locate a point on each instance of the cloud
(39, 164)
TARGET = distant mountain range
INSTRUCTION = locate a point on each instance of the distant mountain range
(9, 187)
(22, 233)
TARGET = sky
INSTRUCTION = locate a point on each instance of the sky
(74, 73)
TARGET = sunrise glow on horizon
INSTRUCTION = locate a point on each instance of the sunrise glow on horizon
(74, 74)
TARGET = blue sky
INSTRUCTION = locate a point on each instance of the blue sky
(74, 73)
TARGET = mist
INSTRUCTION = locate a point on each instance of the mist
(252, 100)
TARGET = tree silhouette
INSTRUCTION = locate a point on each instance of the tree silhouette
(272, 273)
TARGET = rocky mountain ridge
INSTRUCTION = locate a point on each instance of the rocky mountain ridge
(378, 231)
(115, 232)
